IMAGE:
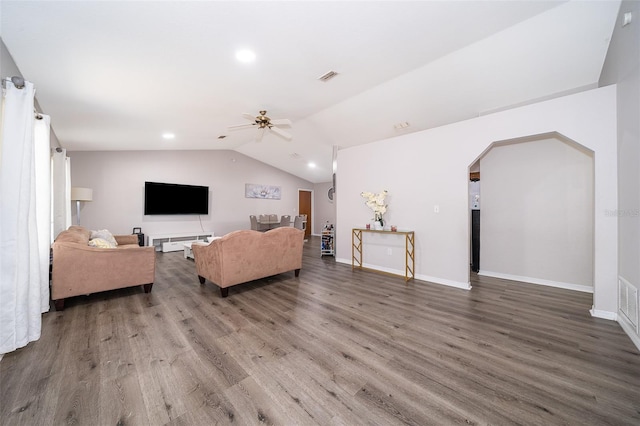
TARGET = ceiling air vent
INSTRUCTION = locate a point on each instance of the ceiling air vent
(327, 76)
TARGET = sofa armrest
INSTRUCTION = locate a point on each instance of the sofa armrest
(208, 260)
(126, 239)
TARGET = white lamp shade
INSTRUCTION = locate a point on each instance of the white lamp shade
(81, 194)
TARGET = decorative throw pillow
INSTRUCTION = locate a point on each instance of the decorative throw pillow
(105, 235)
(100, 243)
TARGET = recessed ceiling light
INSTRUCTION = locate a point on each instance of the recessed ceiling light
(245, 56)
(168, 136)
(312, 165)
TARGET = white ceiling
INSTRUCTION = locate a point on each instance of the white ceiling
(116, 75)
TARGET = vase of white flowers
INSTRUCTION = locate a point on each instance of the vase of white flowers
(376, 203)
(378, 223)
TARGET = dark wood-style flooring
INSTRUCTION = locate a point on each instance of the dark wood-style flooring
(332, 347)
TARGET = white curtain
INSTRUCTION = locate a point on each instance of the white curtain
(60, 191)
(24, 219)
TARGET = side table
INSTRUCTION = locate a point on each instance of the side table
(357, 249)
(188, 252)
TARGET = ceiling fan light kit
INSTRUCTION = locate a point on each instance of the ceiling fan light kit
(264, 124)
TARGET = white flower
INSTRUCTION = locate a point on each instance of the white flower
(376, 203)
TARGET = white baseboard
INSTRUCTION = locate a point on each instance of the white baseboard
(628, 328)
(342, 260)
(444, 281)
(608, 315)
(530, 280)
(435, 280)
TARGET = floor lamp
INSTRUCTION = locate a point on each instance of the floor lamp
(80, 194)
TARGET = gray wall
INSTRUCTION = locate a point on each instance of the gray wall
(324, 210)
(117, 179)
(622, 67)
(8, 67)
(537, 214)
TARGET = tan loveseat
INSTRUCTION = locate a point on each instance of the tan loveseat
(79, 269)
(247, 255)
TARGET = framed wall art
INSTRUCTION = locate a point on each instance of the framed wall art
(268, 192)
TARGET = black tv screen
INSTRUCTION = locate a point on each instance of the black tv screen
(172, 198)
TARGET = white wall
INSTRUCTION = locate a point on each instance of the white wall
(117, 179)
(537, 214)
(622, 67)
(430, 168)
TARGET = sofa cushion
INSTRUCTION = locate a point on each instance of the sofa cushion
(75, 234)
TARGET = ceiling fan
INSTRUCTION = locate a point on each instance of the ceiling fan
(264, 123)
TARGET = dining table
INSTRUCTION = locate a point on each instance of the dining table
(267, 222)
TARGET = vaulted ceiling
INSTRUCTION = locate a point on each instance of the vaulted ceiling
(117, 75)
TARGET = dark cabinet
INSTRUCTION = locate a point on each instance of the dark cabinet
(475, 240)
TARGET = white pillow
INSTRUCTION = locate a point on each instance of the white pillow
(105, 235)
(100, 243)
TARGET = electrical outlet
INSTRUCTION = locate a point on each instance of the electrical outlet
(389, 251)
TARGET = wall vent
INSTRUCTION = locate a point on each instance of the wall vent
(327, 76)
(628, 301)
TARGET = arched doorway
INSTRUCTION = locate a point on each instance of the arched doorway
(537, 211)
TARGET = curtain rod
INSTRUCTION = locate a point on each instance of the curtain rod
(16, 80)
(19, 83)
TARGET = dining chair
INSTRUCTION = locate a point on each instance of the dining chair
(298, 222)
(263, 223)
(254, 222)
(285, 220)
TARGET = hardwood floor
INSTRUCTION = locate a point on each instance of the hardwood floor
(332, 347)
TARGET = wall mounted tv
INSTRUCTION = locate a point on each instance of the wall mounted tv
(172, 198)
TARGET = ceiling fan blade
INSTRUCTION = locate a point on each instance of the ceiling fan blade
(261, 132)
(281, 122)
(281, 133)
(248, 116)
(241, 126)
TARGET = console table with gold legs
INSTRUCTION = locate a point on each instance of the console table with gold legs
(409, 260)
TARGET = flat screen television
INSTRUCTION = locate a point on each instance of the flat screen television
(173, 198)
